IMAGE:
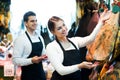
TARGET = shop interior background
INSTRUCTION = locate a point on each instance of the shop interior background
(44, 9)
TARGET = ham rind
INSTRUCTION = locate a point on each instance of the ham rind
(104, 42)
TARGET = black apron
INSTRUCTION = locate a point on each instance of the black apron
(71, 57)
(34, 71)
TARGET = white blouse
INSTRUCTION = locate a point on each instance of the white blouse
(55, 53)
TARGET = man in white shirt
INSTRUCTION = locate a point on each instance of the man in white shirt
(29, 49)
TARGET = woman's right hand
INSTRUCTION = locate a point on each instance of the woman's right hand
(105, 15)
(87, 65)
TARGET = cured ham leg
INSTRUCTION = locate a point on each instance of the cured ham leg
(104, 43)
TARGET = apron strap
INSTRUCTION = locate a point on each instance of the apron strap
(62, 46)
(29, 37)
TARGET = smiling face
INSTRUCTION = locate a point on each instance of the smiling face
(31, 24)
(30, 21)
(57, 27)
(60, 30)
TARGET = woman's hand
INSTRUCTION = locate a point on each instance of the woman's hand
(105, 15)
(87, 65)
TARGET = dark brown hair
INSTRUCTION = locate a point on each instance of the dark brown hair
(27, 14)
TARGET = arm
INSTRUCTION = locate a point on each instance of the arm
(88, 39)
(55, 55)
(83, 41)
(19, 58)
(56, 58)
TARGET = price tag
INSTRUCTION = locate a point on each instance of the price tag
(8, 69)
